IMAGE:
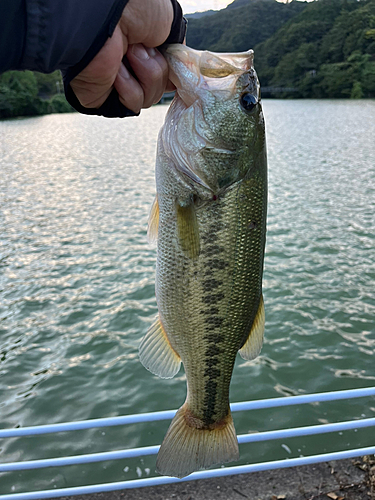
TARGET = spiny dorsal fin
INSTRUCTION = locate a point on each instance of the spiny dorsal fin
(188, 230)
(153, 222)
(253, 344)
(157, 354)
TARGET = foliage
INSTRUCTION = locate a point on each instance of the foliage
(356, 92)
(58, 104)
(324, 48)
(333, 57)
(240, 26)
(49, 84)
(27, 93)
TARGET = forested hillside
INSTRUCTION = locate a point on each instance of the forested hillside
(326, 51)
(25, 93)
(241, 26)
(325, 48)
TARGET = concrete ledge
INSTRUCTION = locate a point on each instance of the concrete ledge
(337, 480)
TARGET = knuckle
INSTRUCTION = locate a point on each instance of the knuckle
(158, 96)
(156, 73)
(138, 98)
(133, 98)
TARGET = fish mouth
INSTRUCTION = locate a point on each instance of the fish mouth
(194, 72)
(201, 78)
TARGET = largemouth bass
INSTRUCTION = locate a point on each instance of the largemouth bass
(209, 219)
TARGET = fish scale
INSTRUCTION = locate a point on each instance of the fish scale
(209, 220)
(233, 312)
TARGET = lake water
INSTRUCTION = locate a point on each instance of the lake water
(77, 285)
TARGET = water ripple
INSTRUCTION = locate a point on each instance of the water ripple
(77, 280)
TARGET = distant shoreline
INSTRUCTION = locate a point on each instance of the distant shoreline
(168, 99)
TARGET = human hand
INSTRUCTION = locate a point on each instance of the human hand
(144, 25)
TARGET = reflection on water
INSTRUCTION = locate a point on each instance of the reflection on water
(77, 284)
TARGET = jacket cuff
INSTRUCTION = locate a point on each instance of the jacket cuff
(112, 107)
(178, 29)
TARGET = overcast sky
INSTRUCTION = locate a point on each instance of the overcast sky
(201, 5)
(189, 6)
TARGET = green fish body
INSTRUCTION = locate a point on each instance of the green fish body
(209, 219)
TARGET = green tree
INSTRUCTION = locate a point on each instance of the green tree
(368, 79)
(240, 26)
(356, 92)
(49, 84)
(18, 94)
(327, 50)
(24, 93)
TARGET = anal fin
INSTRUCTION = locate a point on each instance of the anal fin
(153, 222)
(253, 345)
(157, 354)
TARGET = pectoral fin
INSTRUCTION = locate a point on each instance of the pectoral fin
(253, 345)
(156, 353)
(153, 222)
(188, 230)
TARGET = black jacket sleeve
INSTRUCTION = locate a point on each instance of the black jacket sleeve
(12, 34)
(112, 107)
(45, 35)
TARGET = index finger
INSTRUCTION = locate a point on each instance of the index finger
(151, 70)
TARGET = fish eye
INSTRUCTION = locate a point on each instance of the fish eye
(248, 102)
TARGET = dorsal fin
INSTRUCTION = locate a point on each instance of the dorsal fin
(153, 222)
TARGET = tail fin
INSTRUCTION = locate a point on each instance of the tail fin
(186, 449)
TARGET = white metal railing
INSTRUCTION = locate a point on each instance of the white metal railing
(152, 450)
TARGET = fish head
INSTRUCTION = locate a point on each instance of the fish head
(215, 128)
